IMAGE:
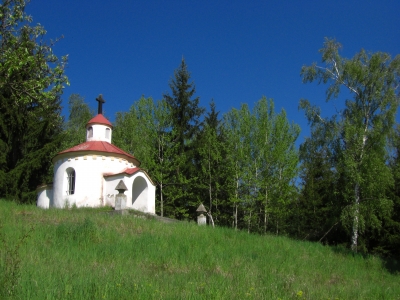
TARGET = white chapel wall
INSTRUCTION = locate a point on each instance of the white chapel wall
(145, 200)
(89, 170)
(45, 196)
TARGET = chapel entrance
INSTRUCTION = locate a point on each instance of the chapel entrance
(139, 192)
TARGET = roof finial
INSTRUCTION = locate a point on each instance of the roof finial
(101, 101)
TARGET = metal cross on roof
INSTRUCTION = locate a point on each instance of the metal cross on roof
(100, 106)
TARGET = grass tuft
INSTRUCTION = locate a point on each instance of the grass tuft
(10, 263)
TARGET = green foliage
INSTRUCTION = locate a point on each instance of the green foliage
(185, 111)
(319, 206)
(75, 127)
(386, 241)
(30, 89)
(212, 168)
(357, 135)
(263, 163)
(185, 116)
(26, 58)
(145, 131)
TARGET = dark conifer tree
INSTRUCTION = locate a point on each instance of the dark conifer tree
(185, 113)
(316, 213)
(211, 119)
(386, 241)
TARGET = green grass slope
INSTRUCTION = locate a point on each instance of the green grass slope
(90, 254)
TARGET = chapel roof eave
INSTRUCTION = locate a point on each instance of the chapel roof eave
(130, 172)
(100, 147)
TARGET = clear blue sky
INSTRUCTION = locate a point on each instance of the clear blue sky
(236, 51)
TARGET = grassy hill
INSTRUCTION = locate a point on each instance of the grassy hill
(91, 254)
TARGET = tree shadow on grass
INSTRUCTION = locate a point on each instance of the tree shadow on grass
(391, 264)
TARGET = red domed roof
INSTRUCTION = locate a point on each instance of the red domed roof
(99, 146)
(99, 119)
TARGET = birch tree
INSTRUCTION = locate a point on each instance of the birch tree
(264, 163)
(361, 128)
(144, 131)
(265, 114)
(275, 160)
(284, 158)
(238, 125)
(209, 148)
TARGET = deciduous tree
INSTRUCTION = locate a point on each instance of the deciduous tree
(75, 127)
(31, 83)
(360, 129)
(264, 162)
(144, 131)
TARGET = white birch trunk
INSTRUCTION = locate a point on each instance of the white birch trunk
(162, 200)
(236, 197)
(209, 183)
(265, 211)
(354, 238)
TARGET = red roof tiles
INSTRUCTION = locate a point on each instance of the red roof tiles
(98, 146)
(99, 119)
(127, 171)
(130, 171)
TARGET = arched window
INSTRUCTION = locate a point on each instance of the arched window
(70, 181)
(108, 133)
(90, 132)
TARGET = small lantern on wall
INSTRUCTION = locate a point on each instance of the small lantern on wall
(201, 218)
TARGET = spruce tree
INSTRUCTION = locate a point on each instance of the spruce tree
(185, 116)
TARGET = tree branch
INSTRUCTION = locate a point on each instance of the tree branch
(336, 77)
(328, 231)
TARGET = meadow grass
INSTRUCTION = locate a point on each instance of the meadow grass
(91, 254)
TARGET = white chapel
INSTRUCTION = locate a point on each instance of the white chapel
(87, 174)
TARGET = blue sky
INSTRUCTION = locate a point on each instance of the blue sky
(236, 51)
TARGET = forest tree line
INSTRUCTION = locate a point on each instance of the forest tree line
(342, 186)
